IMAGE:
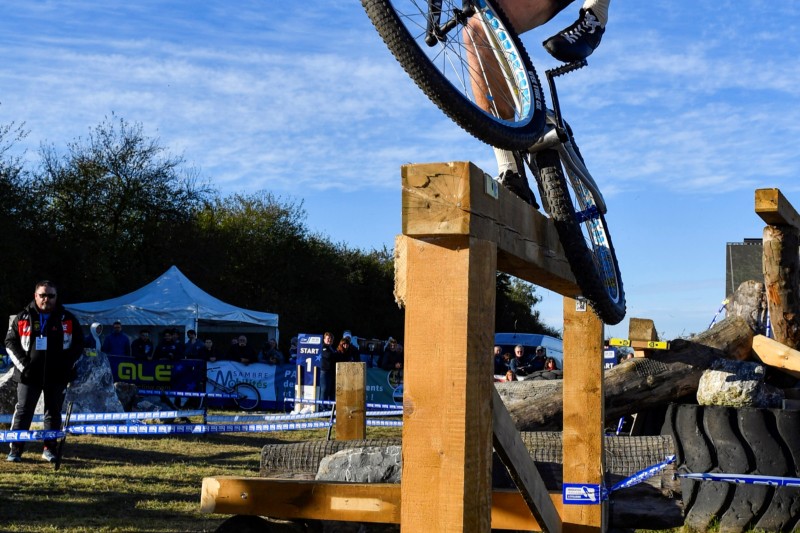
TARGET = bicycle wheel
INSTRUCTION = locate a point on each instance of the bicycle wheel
(495, 95)
(247, 396)
(584, 235)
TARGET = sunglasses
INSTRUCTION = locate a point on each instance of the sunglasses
(47, 295)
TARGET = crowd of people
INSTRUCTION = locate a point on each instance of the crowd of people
(376, 353)
(520, 364)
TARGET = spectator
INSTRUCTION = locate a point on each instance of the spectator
(167, 349)
(327, 369)
(500, 366)
(44, 341)
(192, 348)
(537, 362)
(241, 352)
(347, 353)
(392, 358)
(510, 376)
(520, 363)
(208, 352)
(270, 353)
(177, 339)
(117, 343)
(293, 351)
(374, 351)
(550, 364)
(142, 346)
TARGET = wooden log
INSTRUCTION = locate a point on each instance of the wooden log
(782, 279)
(773, 353)
(637, 384)
(750, 302)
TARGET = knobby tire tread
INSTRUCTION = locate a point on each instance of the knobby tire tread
(555, 193)
(441, 92)
(737, 441)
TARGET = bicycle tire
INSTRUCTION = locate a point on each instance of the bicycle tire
(443, 75)
(587, 243)
(247, 397)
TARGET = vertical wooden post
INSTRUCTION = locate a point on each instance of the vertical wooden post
(583, 435)
(351, 401)
(447, 396)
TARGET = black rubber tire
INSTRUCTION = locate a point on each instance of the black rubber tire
(393, 21)
(601, 287)
(249, 399)
(737, 441)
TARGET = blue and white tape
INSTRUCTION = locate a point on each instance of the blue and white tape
(745, 479)
(184, 394)
(594, 494)
(169, 429)
(17, 435)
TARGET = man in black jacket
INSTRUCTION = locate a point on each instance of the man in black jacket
(44, 342)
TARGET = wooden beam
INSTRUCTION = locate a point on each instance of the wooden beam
(460, 199)
(351, 401)
(641, 329)
(447, 389)
(777, 355)
(774, 209)
(584, 416)
(517, 459)
(354, 502)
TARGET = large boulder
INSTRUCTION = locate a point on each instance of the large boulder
(374, 464)
(736, 384)
(93, 390)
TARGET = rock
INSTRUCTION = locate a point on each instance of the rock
(93, 391)
(373, 464)
(8, 392)
(736, 384)
(126, 392)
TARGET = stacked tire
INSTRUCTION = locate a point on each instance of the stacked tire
(737, 441)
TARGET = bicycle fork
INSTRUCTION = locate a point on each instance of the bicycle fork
(558, 136)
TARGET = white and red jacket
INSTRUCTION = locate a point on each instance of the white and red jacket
(55, 364)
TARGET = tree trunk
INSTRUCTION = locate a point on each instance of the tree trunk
(637, 384)
(782, 279)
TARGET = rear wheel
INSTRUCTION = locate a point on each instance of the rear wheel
(247, 396)
(584, 235)
(494, 95)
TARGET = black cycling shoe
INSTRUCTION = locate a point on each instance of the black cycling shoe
(578, 41)
(518, 184)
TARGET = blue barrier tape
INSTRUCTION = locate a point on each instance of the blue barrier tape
(108, 417)
(18, 435)
(642, 475)
(167, 429)
(594, 494)
(385, 423)
(392, 407)
(747, 479)
(156, 392)
(255, 418)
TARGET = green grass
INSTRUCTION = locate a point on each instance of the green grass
(130, 484)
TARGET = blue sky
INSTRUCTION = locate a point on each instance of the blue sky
(685, 110)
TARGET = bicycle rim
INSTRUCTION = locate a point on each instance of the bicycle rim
(584, 235)
(247, 396)
(512, 115)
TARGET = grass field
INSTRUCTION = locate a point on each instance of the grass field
(130, 484)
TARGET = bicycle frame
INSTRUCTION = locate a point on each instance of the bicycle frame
(557, 136)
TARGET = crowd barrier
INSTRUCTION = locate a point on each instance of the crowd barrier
(249, 423)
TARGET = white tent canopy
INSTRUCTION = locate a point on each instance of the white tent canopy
(171, 300)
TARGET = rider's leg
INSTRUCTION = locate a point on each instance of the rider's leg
(491, 92)
(579, 40)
